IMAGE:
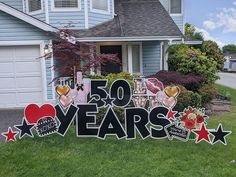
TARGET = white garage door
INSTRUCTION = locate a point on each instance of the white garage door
(20, 76)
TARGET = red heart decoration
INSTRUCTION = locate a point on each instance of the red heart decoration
(33, 112)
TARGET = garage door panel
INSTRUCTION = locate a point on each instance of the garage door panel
(31, 52)
(7, 83)
(8, 100)
(6, 68)
(20, 76)
(28, 67)
(30, 97)
(6, 53)
(29, 82)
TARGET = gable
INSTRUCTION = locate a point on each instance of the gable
(17, 4)
(14, 29)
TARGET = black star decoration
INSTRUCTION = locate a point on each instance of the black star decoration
(108, 100)
(25, 129)
(219, 135)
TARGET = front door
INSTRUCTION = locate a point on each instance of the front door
(111, 67)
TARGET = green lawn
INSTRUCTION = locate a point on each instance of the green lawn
(71, 156)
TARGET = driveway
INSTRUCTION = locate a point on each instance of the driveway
(9, 118)
(227, 79)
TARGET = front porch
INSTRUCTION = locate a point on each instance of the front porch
(141, 58)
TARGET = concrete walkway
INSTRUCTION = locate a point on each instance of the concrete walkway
(227, 79)
(9, 118)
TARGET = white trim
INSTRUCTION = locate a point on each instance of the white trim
(86, 14)
(23, 5)
(184, 17)
(113, 8)
(161, 52)
(27, 18)
(130, 57)
(36, 12)
(100, 11)
(53, 74)
(43, 69)
(130, 61)
(65, 9)
(46, 11)
(10, 43)
(135, 38)
(187, 42)
(176, 14)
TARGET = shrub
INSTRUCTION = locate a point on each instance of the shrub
(190, 81)
(118, 111)
(188, 60)
(208, 92)
(187, 98)
(127, 76)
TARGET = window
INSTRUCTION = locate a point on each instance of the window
(176, 6)
(34, 5)
(66, 3)
(100, 5)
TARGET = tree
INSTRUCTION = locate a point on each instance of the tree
(69, 58)
(212, 50)
(229, 49)
(191, 32)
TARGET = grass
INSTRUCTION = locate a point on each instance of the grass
(70, 156)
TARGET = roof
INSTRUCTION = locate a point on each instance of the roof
(27, 18)
(231, 56)
(135, 18)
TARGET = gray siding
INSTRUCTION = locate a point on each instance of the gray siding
(151, 57)
(17, 4)
(165, 3)
(14, 29)
(179, 20)
(69, 19)
(40, 16)
(97, 18)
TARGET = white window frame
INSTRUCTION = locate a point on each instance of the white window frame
(67, 9)
(34, 12)
(130, 57)
(101, 11)
(177, 14)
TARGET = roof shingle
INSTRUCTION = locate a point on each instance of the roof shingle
(136, 18)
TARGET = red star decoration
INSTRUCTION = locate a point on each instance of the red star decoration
(171, 114)
(203, 134)
(10, 135)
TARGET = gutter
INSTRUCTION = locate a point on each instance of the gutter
(135, 38)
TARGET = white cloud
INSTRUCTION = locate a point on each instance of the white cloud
(207, 36)
(209, 24)
(225, 19)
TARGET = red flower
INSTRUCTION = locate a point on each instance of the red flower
(200, 119)
(189, 111)
(184, 118)
(189, 124)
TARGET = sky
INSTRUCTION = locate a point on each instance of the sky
(216, 19)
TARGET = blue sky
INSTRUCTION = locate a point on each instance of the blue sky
(216, 19)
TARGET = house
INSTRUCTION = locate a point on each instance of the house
(139, 31)
(230, 63)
